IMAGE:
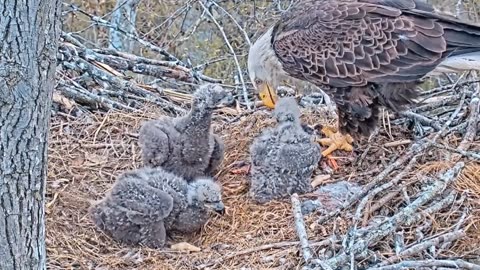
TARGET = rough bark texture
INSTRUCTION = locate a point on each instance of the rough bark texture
(29, 31)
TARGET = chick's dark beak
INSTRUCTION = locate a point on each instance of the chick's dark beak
(219, 208)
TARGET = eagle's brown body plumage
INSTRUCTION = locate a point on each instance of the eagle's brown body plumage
(368, 53)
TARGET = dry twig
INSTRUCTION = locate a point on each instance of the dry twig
(235, 58)
(237, 254)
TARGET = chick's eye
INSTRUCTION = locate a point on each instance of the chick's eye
(258, 81)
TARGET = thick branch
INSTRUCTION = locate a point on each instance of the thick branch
(410, 153)
(418, 248)
(300, 227)
(404, 216)
(457, 264)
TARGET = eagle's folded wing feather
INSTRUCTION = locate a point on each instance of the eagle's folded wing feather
(352, 43)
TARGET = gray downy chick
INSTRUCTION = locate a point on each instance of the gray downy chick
(186, 145)
(192, 200)
(146, 204)
(203, 195)
(283, 157)
(132, 212)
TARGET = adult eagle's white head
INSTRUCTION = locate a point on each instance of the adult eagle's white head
(264, 69)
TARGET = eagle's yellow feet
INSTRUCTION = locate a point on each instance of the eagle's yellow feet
(334, 141)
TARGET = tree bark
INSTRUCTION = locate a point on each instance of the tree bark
(29, 32)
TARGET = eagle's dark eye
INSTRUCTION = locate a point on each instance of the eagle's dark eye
(258, 81)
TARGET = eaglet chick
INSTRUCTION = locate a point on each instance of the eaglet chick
(185, 145)
(146, 204)
(284, 157)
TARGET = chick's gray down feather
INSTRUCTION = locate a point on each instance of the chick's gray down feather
(146, 204)
(203, 194)
(185, 145)
(133, 211)
(284, 157)
(191, 200)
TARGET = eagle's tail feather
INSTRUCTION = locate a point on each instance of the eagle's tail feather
(463, 47)
(458, 62)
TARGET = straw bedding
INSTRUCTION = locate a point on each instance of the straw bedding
(86, 153)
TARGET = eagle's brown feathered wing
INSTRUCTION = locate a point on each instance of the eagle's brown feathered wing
(349, 45)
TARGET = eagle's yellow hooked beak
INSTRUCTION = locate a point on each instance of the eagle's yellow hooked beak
(267, 95)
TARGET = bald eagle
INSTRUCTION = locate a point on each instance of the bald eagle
(364, 54)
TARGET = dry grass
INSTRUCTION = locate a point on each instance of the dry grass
(87, 154)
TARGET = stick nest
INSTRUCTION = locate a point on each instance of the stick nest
(86, 154)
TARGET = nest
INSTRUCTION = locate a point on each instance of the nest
(88, 151)
(87, 154)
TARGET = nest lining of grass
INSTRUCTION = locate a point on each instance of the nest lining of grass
(86, 154)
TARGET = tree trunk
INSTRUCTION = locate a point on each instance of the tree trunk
(29, 32)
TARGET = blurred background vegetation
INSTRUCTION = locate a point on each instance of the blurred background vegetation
(204, 34)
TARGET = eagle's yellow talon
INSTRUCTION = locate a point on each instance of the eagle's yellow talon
(331, 147)
(325, 141)
(334, 141)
